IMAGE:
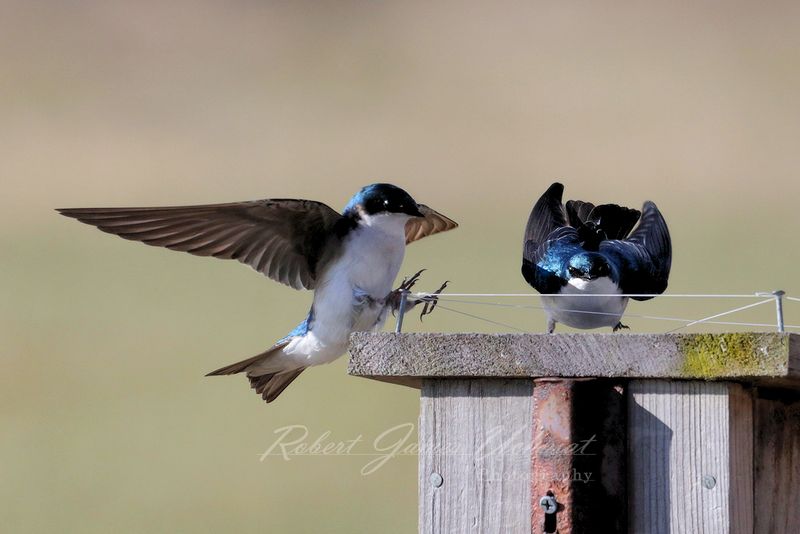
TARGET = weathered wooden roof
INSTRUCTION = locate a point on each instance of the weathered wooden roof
(772, 358)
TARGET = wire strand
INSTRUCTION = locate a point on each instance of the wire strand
(481, 318)
(637, 295)
(689, 322)
(705, 319)
(649, 317)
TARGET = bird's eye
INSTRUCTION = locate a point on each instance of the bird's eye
(574, 272)
(385, 203)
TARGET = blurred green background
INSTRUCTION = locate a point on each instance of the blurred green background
(106, 421)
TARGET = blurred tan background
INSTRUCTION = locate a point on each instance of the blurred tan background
(106, 421)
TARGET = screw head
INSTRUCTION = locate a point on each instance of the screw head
(709, 481)
(548, 502)
(436, 480)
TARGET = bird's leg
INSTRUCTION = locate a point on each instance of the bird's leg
(620, 326)
(551, 326)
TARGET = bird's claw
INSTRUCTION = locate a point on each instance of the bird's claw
(431, 300)
(396, 296)
(620, 326)
(408, 283)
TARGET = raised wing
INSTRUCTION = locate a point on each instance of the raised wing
(645, 257)
(284, 239)
(546, 216)
(547, 228)
(433, 222)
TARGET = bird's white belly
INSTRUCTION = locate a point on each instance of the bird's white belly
(592, 311)
(351, 296)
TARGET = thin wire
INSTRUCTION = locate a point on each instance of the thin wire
(481, 318)
(641, 295)
(499, 304)
(689, 322)
(638, 316)
(651, 317)
(704, 319)
(531, 307)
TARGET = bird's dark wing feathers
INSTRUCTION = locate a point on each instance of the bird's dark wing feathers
(281, 238)
(645, 257)
(554, 233)
(433, 222)
(615, 221)
(547, 225)
(546, 216)
(578, 212)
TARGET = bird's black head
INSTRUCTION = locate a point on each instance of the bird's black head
(588, 266)
(382, 198)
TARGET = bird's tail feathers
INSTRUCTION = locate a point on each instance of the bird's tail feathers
(270, 385)
(267, 372)
(244, 365)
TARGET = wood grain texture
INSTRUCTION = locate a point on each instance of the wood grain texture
(777, 463)
(690, 457)
(741, 410)
(476, 434)
(763, 358)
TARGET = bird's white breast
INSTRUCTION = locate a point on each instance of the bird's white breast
(590, 308)
(350, 296)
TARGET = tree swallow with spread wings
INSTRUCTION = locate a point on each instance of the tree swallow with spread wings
(349, 260)
(590, 253)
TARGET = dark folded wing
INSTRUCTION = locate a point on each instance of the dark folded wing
(282, 238)
(645, 257)
(433, 222)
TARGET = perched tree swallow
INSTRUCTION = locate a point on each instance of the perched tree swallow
(349, 260)
(586, 250)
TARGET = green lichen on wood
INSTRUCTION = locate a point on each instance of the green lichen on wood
(733, 354)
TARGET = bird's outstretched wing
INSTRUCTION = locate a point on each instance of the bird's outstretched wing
(282, 238)
(433, 222)
(547, 228)
(645, 256)
(546, 216)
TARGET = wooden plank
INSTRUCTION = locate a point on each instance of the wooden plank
(476, 435)
(763, 358)
(578, 455)
(777, 462)
(690, 457)
(741, 461)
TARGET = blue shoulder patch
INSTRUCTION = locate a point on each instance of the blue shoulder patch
(301, 329)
